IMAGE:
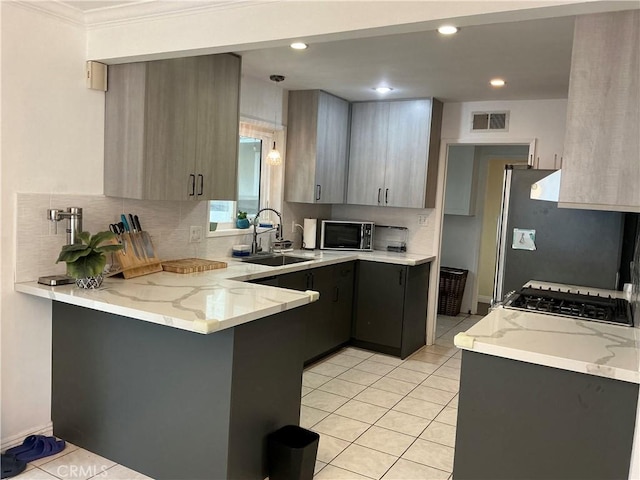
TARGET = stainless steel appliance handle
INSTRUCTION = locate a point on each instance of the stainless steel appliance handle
(502, 236)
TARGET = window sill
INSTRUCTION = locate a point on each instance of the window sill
(230, 232)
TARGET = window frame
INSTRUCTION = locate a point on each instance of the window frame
(267, 136)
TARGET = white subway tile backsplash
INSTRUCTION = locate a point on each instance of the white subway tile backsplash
(168, 224)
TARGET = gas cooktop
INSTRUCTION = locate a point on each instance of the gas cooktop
(574, 305)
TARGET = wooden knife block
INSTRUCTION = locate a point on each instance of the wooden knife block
(138, 256)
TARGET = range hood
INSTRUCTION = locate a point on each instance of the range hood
(548, 188)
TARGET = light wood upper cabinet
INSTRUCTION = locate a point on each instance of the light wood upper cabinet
(317, 136)
(368, 152)
(171, 129)
(394, 153)
(601, 164)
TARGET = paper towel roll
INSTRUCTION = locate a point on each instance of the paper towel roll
(309, 235)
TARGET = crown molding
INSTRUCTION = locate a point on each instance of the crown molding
(133, 12)
(54, 9)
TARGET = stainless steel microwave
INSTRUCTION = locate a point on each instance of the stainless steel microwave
(346, 235)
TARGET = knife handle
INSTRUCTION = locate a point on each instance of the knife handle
(136, 220)
(132, 223)
(123, 219)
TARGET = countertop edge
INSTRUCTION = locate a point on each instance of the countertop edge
(232, 276)
(467, 341)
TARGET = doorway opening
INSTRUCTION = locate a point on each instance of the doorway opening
(473, 194)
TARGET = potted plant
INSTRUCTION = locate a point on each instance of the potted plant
(86, 260)
(242, 221)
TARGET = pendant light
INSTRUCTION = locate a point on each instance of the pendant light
(274, 158)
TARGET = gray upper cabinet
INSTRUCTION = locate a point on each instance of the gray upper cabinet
(318, 129)
(171, 129)
(368, 152)
(601, 164)
(394, 153)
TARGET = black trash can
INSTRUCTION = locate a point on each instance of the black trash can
(292, 453)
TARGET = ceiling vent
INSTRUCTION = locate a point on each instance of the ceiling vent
(490, 121)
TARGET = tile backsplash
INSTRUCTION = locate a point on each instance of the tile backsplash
(168, 223)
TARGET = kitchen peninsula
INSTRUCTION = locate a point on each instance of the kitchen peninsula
(544, 397)
(183, 376)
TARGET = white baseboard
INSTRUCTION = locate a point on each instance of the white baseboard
(17, 439)
(483, 299)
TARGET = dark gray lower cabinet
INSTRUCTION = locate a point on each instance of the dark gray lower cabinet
(391, 307)
(520, 421)
(174, 404)
(327, 321)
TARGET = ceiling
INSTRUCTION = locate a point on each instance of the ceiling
(532, 56)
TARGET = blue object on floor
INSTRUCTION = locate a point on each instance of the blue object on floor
(28, 443)
(11, 466)
(43, 447)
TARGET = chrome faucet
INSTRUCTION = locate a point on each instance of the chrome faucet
(74, 215)
(254, 244)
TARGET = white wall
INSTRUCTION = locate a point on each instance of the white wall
(539, 120)
(51, 142)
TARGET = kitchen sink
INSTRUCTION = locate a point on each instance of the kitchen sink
(275, 260)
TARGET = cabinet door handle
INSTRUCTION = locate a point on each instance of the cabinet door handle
(400, 272)
(192, 180)
(379, 192)
(336, 295)
(318, 192)
(201, 189)
(386, 195)
(309, 281)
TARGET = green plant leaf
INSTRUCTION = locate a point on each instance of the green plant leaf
(101, 237)
(72, 255)
(85, 237)
(108, 248)
(88, 266)
(87, 259)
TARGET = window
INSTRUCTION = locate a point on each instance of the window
(253, 181)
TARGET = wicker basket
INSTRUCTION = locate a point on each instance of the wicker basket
(452, 282)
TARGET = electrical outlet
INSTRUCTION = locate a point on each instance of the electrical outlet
(422, 220)
(195, 234)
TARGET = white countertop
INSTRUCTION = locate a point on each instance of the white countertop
(209, 301)
(581, 346)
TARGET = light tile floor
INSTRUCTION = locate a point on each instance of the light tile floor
(377, 416)
(383, 418)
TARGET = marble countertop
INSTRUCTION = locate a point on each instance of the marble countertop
(210, 301)
(581, 346)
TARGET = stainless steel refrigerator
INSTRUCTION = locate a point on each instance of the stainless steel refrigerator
(539, 241)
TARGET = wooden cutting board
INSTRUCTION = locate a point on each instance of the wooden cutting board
(191, 265)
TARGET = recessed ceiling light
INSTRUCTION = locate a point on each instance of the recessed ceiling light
(299, 45)
(447, 30)
(383, 89)
(497, 82)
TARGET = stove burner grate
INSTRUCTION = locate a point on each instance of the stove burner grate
(575, 305)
